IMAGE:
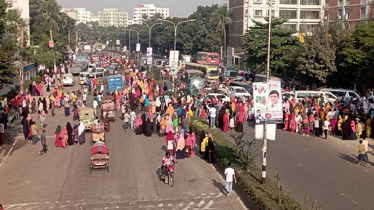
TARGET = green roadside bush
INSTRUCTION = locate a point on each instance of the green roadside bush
(268, 196)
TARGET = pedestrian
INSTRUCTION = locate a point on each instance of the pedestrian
(43, 141)
(34, 133)
(362, 154)
(316, 125)
(1, 133)
(126, 120)
(132, 119)
(230, 177)
(326, 125)
(95, 105)
(84, 98)
(212, 115)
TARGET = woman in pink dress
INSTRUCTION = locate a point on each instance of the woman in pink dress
(40, 89)
(64, 135)
(58, 141)
(58, 101)
(246, 112)
(193, 142)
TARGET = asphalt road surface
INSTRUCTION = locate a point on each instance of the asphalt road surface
(323, 168)
(61, 179)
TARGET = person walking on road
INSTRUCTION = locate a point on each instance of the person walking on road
(95, 105)
(43, 141)
(126, 120)
(362, 154)
(230, 177)
(34, 133)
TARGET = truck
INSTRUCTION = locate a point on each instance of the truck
(76, 68)
(114, 83)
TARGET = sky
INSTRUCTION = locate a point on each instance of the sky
(178, 8)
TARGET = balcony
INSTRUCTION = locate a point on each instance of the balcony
(309, 15)
(309, 2)
(288, 14)
(294, 2)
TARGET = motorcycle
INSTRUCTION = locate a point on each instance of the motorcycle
(168, 175)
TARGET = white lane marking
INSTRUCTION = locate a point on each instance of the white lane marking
(188, 206)
(2, 162)
(209, 204)
(160, 205)
(201, 203)
(349, 198)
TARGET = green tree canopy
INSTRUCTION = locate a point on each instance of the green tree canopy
(284, 47)
(317, 57)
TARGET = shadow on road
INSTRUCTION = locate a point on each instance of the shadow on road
(219, 185)
(350, 158)
(164, 148)
(159, 173)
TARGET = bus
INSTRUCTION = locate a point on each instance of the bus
(207, 58)
(210, 71)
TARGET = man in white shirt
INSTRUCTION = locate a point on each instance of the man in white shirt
(132, 119)
(95, 105)
(84, 99)
(212, 115)
(230, 177)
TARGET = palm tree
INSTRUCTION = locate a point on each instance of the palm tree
(51, 16)
(222, 17)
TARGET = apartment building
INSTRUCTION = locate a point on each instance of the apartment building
(113, 17)
(24, 8)
(81, 15)
(73, 14)
(349, 12)
(303, 15)
(149, 10)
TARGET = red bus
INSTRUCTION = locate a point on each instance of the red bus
(207, 58)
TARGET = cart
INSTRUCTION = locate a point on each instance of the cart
(99, 157)
(87, 116)
(97, 134)
(108, 107)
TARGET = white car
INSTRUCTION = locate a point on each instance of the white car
(100, 71)
(235, 91)
(68, 79)
(219, 96)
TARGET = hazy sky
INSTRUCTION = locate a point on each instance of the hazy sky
(178, 8)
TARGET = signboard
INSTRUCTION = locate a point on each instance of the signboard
(149, 55)
(107, 42)
(118, 42)
(51, 44)
(138, 47)
(125, 49)
(173, 61)
(267, 102)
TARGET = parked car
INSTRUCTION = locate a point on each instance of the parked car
(236, 91)
(219, 96)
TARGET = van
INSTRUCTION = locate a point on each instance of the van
(68, 79)
(100, 71)
(247, 86)
(302, 94)
(83, 78)
(159, 63)
(343, 93)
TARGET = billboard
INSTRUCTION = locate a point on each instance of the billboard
(267, 102)
(149, 55)
(173, 61)
(138, 47)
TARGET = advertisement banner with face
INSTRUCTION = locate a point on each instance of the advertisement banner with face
(267, 102)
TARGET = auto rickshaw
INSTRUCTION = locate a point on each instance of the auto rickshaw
(99, 157)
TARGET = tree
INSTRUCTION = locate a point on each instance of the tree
(284, 47)
(317, 58)
(222, 17)
(359, 54)
(9, 44)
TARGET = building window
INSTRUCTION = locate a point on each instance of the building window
(258, 13)
(309, 15)
(307, 28)
(340, 12)
(289, 26)
(363, 13)
(288, 14)
(272, 13)
(257, 1)
(288, 2)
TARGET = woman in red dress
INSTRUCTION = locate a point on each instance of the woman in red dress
(225, 119)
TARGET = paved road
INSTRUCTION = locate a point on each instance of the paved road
(325, 169)
(61, 179)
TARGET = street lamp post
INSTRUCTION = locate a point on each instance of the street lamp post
(264, 146)
(138, 32)
(175, 39)
(150, 32)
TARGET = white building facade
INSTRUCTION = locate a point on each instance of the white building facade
(303, 15)
(24, 7)
(84, 16)
(148, 10)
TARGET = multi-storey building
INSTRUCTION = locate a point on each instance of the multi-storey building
(113, 17)
(148, 10)
(73, 14)
(303, 16)
(81, 15)
(349, 12)
(94, 18)
(24, 8)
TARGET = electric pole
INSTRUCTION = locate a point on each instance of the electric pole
(21, 60)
